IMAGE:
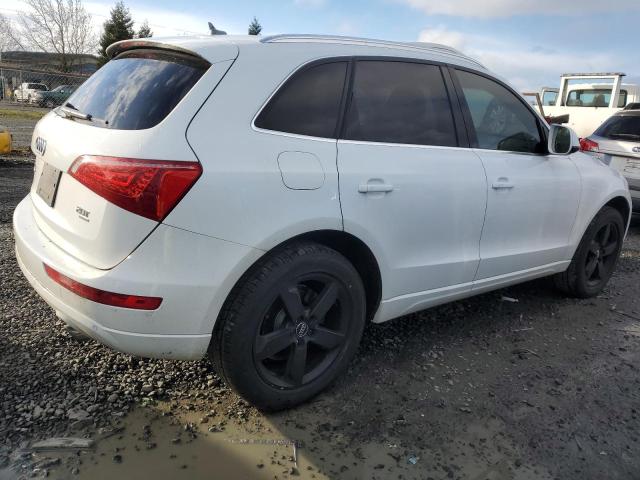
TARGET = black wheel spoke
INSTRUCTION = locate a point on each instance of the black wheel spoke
(271, 343)
(599, 268)
(590, 268)
(609, 249)
(327, 339)
(606, 233)
(292, 302)
(326, 299)
(296, 363)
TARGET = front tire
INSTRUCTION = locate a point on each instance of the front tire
(290, 326)
(595, 258)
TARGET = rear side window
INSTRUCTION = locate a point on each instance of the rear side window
(400, 102)
(621, 127)
(309, 102)
(501, 120)
(138, 88)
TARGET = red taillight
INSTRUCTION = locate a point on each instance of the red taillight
(102, 296)
(150, 188)
(587, 145)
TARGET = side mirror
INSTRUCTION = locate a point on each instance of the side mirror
(562, 140)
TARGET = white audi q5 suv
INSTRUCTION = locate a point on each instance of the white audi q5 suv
(258, 200)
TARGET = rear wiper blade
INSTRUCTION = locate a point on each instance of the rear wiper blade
(625, 135)
(70, 111)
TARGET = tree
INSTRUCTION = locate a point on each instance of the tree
(145, 31)
(254, 27)
(6, 35)
(59, 26)
(118, 27)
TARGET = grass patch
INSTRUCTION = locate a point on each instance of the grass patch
(24, 114)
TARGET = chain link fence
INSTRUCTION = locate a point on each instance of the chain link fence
(36, 88)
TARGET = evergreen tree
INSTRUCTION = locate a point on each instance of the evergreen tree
(118, 27)
(254, 27)
(145, 31)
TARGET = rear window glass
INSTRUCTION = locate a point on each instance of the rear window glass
(138, 88)
(309, 103)
(594, 97)
(621, 127)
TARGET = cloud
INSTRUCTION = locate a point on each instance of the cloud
(526, 67)
(509, 8)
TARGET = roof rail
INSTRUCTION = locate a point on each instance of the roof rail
(420, 46)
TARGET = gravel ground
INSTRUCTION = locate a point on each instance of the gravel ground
(486, 388)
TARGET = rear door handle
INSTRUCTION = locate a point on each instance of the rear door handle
(375, 187)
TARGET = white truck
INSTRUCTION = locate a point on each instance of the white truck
(26, 91)
(590, 98)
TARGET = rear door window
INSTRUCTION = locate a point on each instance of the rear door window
(138, 88)
(399, 102)
(308, 103)
(501, 119)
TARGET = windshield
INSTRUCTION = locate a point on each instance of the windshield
(621, 127)
(37, 86)
(138, 88)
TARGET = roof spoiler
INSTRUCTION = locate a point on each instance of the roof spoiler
(135, 43)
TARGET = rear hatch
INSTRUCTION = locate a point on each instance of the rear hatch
(114, 161)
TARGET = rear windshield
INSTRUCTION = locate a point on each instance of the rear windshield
(594, 97)
(621, 127)
(138, 88)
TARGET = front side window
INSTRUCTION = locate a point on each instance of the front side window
(501, 120)
(399, 102)
(309, 103)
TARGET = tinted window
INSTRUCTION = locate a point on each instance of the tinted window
(594, 97)
(400, 102)
(138, 88)
(309, 103)
(501, 119)
(621, 127)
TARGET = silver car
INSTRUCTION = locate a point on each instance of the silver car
(617, 143)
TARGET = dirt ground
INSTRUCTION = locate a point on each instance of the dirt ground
(543, 387)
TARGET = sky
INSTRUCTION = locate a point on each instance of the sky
(528, 42)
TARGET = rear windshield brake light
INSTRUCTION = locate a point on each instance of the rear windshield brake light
(101, 296)
(150, 188)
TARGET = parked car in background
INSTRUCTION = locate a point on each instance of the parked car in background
(259, 199)
(590, 98)
(26, 91)
(53, 98)
(617, 143)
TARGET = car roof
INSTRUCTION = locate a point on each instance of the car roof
(202, 46)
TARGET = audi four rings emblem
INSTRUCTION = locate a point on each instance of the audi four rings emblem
(41, 145)
(636, 149)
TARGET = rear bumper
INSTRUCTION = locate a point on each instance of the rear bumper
(192, 273)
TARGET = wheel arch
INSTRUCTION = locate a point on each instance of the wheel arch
(621, 204)
(354, 250)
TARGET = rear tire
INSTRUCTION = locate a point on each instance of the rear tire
(596, 256)
(290, 327)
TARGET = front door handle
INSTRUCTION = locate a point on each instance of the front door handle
(502, 183)
(375, 187)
